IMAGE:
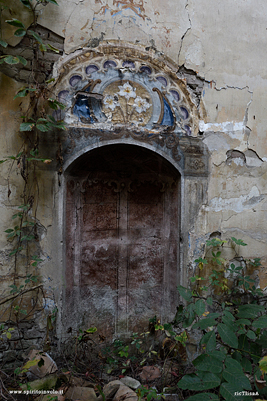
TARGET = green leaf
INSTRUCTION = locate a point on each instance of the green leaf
(53, 2)
(3, 43)
(246, 365)
(200, 307)
(20, 32)
(17, 371)
(263, 339)
(228, 390)
(15, 22)
(256, 351)
(232, 377)
(251, 335)
(203, 397)
(22, 60)
(27, 238)
(204, 381)
(190, 382)
(233, 365)
(26, 126)
(249, 311)
(209, 380)
(208, 363)
(54, 49)
(30, 363)
(26, 3)
(11, 60)
(229, 322)
(11, 235)
(238, 241)
(36, 36)
(205, 323)
(91, 330)
(237, 356)
(227, 335)
(60, 125)
(200, 260)
(42, 127)
(189, 315)
(9, 230)
(263, 364)
(51, 118)
(229, 315)
(50, 80)
(54, 104)
(209, 339)
(261, 322)
(209, 301)
(15, 251)
(42, 47)
(185, 293)
(244, 322)
(243, 343)
(21, 93)
(24, 207)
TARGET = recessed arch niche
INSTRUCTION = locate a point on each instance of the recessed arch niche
(122, 222)
(135, 178)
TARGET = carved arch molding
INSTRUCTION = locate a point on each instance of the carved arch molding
(131, 141)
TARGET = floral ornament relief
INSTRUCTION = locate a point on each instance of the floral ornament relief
(127, 103)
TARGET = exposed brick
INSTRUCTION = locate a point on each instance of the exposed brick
(43, 67)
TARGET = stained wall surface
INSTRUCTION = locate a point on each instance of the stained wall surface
(219, 54)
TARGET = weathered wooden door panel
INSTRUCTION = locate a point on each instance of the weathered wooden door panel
(146, 254)
(122, 241)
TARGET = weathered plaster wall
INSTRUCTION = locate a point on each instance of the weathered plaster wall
(223, 47)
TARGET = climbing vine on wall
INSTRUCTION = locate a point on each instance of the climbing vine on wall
(39, 118)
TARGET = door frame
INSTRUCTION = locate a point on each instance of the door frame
(193, 184)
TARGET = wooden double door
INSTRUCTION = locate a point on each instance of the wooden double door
(122, 241)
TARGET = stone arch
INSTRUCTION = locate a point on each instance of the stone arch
(167, 129)
(120, 141)
(121, 93)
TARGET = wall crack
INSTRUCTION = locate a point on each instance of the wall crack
(183, 36)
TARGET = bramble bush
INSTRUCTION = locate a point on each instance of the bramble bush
(233, 322)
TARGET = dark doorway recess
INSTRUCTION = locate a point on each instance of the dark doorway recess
(121, 230)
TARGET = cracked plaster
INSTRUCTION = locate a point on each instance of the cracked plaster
(190, 33)
(231, 56)
(149, 22)
(226, 43)
(239, 204)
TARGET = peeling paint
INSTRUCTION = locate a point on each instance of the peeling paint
(7, 194)
(227, 126)
(238, 205)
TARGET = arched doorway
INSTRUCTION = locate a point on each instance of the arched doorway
(122, 232)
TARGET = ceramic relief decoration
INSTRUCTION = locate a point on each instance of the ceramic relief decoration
(127, 103)
(108, 92)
